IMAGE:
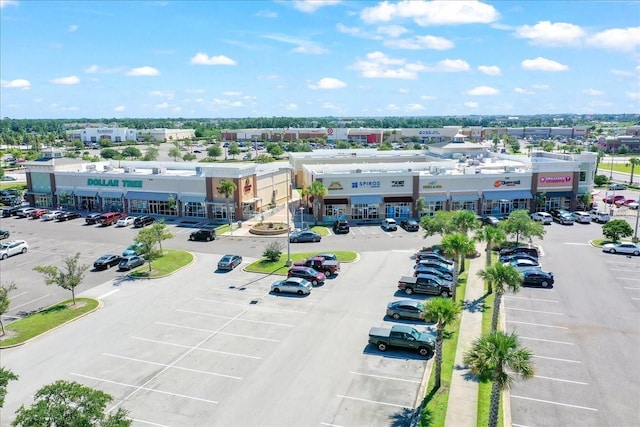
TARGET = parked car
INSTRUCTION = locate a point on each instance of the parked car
(129, 262)
(4, 234)
(66, 216)
(582, 217)
(389, 224)
(489, 220)
(425, 269)
(328, 256)
(523, 265)
(402, 336)
(616, 187)
(431, 256)
(109, 218)
(205, 235)
(562, 216)
(12, 248)
(133, 249)
(627, 248)
(329, 267)
(529, 250)
(406, 309)
(143, 221)
(310, 274)
(425, 284)
(410, 225)
(8, 211)
(229, 262)
(600, 217)
(624, 202)
(613, 199)
(93, 218)
(543, 217)
(126, 221)
(51, 215)
(25, 212)
(341, 226)
(633, 205)
(293, 285)
(537, 278)
(304, 236)
(107, 261)
(518, 255)
(38, 213)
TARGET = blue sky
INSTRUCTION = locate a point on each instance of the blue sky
(198, 59)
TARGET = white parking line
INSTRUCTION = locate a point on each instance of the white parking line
(537, 324)
(561, 380)
(543, 340)
(29, 302)
(206, 350)
(631, 287)
(219, 333)
(372, 401)
(108, 293)
(235, 318)
(636, 299)
(138, 420)
(535, 311)
(554, 403)
(556, 359)
(577, 244)
(19, 295)
(141, 388)
(198, 371)
(621, 269)
(384, 377)
(256, 307)
(531, 299)
(330, 425)
(628, 278)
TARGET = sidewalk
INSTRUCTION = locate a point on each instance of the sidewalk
(462, 409)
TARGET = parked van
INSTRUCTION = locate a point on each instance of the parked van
(600, 217)
(582, 217)
(109, 218)
(389, 224)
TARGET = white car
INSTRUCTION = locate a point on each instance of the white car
(523, 264)
(51, 215)
(543, 217)
(582, 217)
(633, 205)
(601, 217)
(126, 221)
(622, 248)
(12, 248)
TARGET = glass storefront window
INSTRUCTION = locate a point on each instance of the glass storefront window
(433, 207)
(43, 200)
(112, 204)
(398, 210)
(87, 203)
(220, 211)
(192, 209)
(465, 206)
(503, 207)
(334, 212)
(364, 211)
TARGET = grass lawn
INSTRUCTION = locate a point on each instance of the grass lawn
(11, 184)
(320, 229)
(598, 243)
(434, 411)
(279, 267)
(172, 260)
(24, 329)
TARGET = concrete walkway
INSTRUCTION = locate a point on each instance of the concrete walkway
(462, 408)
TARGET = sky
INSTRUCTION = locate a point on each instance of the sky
(317, 58)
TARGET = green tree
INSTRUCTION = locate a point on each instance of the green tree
(263, 158)
(69, 278)
(634, 161)
(227, 189)
(234, 149)
(5, 376)
(420, 206)
(492, 236)
(147, 239)
(498, 357)
(161, 233)
(110, 153)
(457, 245)
(188, 157)
(444, 311)
(500, 277)
(623, 149)
(439, 223)
(5, 302)
(342, 145)
(464, 221)
(273, 251)
(600, 180)
(616, 229)
(520, 224)
(317, 190)
(151, 154)
(214, 151)
(132, 152)
(275, 150)
(175, 153)
(65, 403)
(385, 146)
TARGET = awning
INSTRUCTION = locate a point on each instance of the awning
(398, 199)
(147, 195)
(508, 195)
(435, 198)
(336, 202)
(111, 194)
(86, 193)
(192, 198)
(366, 200)
(250, 201)
(560, 194)
(67, 190)
(465, 197)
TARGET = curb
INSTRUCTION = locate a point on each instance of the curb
(193, 261)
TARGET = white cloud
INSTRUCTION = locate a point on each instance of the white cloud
(620, 39)
(310, 49)
(523, 91)
(268, 77)
(72, 28)
(414, 107)
(420, 42)
(379, 65)
(329, 106)
(291, 107)
(392, 30)
(162, 105)
(403, 90)
(4, 3)
(471, 104)
(546, 33)
(143, 71)
(592, 92)
(355, 32)
(266, 14)
(310, 6)
(633, 95)
(327, 83)
(426, 13)
(16, 84)
(490, 70)
(621, 73)
(428, 97)
(204, 59)
(543, 64)
(451, 66)
(162, 94)
(119, 108)
(67, 80)
(539, 86)
(96, 69)
(302, 45)
(392, 107)
(483, 91)
(232, 93)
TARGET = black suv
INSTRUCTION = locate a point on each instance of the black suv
(9, 211)
(410, 225)
(143, 221)
(532, 252)
(341, 226)
(203, 235)
(562, 216)
(93, 218)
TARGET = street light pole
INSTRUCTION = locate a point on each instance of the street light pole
(635, 235)
(288, 262)
(611, 170)
(301, 217)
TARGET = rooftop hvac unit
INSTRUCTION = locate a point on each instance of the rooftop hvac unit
(157, 171)
(358, 170)
(108, 168)
(129, 169)
(469, 170)
(199, 171)
(509, 168)
(91, 168)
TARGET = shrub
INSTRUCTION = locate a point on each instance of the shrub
(273, 251)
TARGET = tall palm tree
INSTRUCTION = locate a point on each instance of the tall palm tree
(457, 245)
(634, 161)
(317, 190)
(444, 311)
(498, 357)
(464, 221)
(492, 236)
(501, 277)
(227, 188)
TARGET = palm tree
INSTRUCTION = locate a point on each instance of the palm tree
(501, 277)
(227, 188)
(444, 311)
(634, 161)
(464, 221)
(457, 245)
(493, 236)
(498, 357)
(317, 190)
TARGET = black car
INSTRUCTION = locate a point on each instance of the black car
(4, 234)
(9, 211)
(66, 216)
(341, 226)
(531, 251)
(518, 255)
(203, 235)
(107, 261)
(93, 218)
(538, 278)
(410, 225)
(305, 236)
(489, 220)
(229, 262)
(432, 256)
(143, 221)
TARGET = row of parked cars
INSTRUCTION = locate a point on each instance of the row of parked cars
(565, 217)
(305, 274)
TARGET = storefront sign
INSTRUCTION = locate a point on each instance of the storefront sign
(506, 183)
(397, 183)
(555, 179)
(428, 132)
(431, 185)
(335, 185)
(103, 182)
(365, 184)
(247, 185)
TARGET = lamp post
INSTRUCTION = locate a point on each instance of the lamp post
(611, 169)
(288, 262)
(635, 234)
(301, 217)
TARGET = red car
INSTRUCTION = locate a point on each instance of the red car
(307, 273)
(38, 213)
(624, 202)
(613, 199)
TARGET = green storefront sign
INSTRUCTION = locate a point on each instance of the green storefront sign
(104, 182)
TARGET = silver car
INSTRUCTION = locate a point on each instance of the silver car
(13, 248)
(622, 248)
(406, 309)
(292, 285)
(523, 264)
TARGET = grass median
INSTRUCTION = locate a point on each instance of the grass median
(279, 267)
(171, 260)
